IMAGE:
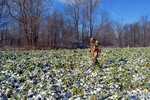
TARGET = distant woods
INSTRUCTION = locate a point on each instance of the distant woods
(39, 24)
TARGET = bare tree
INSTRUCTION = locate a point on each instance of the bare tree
(106, 32)
(55, 29)
(91, 6)
(29, 23)
(3, 22)
(28, 13)
(145, 27)
(120, 34)
(73, 11)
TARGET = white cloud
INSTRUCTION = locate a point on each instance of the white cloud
(66, 1)
(70, 1)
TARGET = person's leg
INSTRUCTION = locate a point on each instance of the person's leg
(94, 55)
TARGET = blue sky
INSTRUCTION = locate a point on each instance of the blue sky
(124, 11)
(127, 11)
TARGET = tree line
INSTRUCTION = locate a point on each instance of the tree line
(38, 24)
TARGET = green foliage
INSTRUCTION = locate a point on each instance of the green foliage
(118, 73)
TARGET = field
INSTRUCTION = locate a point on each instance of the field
(69, 74)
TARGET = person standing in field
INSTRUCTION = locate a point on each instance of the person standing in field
(94, 50)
